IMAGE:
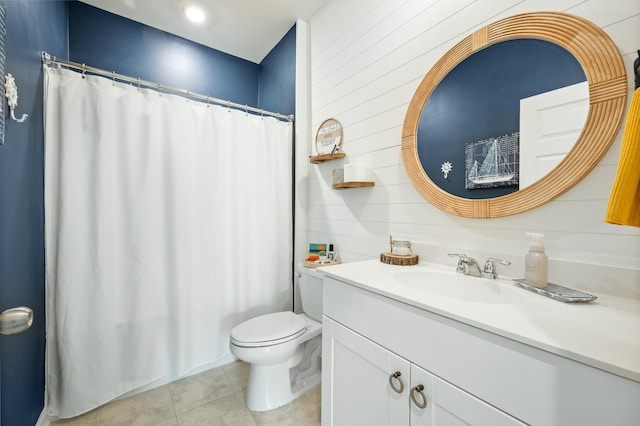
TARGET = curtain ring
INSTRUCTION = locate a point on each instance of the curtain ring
(262, 113)
(84, 69)
(159, 90)
(208, 101)
(246, 110)
(229, 106)
(113, 77)
(138, 84)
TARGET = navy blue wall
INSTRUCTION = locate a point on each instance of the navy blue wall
(480, 99)
(32, 26)
(104, 40)
(277, 91)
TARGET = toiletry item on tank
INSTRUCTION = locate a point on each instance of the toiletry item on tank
(331, 256)
(536, 262)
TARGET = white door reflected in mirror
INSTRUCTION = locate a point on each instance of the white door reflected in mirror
(550, 123)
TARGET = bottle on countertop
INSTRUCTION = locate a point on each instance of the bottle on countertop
(331, 256)
(536, 262)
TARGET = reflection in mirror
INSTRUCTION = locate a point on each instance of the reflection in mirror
(550, 124)
(473, 118)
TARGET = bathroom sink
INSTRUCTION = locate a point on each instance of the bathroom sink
(459, 287)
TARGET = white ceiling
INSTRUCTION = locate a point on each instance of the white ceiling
(248, 29)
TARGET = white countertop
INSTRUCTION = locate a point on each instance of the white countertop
(604, 333)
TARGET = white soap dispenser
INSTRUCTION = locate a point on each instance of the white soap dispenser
(536, 262)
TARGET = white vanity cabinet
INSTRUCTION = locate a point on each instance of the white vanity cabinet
(469, 375)
(371, 385)
(360, 392)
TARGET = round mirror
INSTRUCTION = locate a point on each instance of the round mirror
(468, 151)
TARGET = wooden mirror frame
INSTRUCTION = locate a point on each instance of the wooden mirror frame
(604, 69)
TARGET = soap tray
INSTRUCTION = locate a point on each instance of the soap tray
(558, 292)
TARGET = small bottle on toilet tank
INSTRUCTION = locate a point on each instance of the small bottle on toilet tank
(330, 254)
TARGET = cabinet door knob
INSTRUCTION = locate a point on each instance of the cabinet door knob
(395, 377)
(420, 391)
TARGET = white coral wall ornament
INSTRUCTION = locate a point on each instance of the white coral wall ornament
(11, 93)
(446, 168)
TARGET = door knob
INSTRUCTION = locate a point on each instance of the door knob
(16, 320)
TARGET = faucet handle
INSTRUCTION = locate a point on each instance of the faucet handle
(461, 256)
(490, 267)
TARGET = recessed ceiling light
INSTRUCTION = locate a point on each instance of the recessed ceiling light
(194, 14)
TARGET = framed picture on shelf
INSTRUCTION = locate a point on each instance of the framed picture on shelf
(329, 137)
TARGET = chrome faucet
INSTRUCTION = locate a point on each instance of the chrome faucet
(467, 265)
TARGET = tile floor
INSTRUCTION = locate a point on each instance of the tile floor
(214, 397)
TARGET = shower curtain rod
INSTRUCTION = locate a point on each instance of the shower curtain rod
(51, 60)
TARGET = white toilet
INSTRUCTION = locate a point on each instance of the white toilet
(283, 348)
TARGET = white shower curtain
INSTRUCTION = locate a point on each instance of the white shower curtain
(168, 222)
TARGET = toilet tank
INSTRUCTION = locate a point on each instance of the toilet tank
(311, 292)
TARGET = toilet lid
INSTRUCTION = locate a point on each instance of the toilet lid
(268, 328)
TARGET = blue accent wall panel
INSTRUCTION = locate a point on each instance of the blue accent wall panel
(104, 40)
(277, 90)
(32, 27)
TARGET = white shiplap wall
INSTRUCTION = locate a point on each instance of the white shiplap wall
(366, 58)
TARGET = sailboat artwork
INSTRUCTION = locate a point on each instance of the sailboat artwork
(492, 162)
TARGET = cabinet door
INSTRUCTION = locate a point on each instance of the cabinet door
(448, 405)
(356, 387)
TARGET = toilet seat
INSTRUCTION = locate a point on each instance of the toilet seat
(269, 329)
